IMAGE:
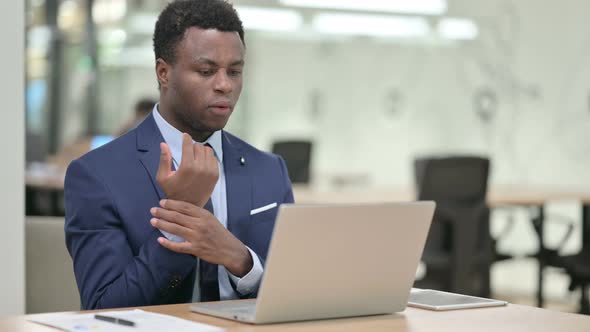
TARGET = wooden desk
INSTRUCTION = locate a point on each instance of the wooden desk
(44, 184)
(510, 318)
(498, 196)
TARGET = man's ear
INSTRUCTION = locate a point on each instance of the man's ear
(162, 72)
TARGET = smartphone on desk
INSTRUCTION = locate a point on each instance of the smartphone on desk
(439, 301)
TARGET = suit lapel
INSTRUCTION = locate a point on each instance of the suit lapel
(237, 179)
(148, 146)
(237, 182)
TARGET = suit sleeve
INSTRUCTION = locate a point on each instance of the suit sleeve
(107, 272)
(288, 198)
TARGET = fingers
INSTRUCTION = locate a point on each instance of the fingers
(169, 227)
(214, 166)
(182, 207)
(199, 152)
(211, 161)
(165, 167)
(206, 161)
(182, 247)
(188, 154)
(174, 217)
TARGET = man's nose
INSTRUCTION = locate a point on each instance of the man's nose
(223, 83)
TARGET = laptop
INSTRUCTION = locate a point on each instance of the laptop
(330, 261)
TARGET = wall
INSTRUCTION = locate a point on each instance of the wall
(12, 138)
(533, 65)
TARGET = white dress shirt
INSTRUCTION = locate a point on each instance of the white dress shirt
(251, 280)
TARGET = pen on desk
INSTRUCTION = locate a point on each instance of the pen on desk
(114, 320)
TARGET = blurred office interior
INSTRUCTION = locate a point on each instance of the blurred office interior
(352, 94)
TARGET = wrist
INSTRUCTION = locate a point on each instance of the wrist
(188, 199)
(241, 264)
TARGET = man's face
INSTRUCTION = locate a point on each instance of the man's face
(205, 82)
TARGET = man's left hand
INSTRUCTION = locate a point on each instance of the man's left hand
(204, 236)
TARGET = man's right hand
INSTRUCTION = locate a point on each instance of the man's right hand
(196, 176)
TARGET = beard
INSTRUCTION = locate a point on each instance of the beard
(193, 123)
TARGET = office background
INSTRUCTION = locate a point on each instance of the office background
(508, 79)
(517, 91)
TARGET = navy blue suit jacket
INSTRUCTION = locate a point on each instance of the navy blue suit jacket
(108, 194)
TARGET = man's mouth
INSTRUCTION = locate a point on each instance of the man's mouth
(221, 108)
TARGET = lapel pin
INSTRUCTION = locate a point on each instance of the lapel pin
(242, 161)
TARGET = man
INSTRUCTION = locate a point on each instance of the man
(155, 218)
(142, 109)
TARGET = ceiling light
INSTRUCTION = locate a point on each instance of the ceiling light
(425, 7)
(267, 19)
(457, 29)
(371, 25)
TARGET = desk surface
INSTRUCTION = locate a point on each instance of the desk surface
(510, 318)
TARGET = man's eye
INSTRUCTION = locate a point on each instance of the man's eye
(206, 72)
(235, 72)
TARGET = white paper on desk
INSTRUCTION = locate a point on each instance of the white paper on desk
(144, 321)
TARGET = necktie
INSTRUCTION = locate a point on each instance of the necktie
(209, 287)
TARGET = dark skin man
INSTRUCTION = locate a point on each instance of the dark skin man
(198, 93)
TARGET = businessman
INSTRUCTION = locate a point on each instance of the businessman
(178, 210)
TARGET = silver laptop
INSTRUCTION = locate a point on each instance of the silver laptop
(328, 261)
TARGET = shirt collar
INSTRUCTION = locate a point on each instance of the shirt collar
(173, 138)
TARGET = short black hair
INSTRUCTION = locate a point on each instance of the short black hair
(180, 15)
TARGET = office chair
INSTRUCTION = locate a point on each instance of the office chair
(458, 252)
(578, 268)
(50, 281)
(550, 255)
(297, 156)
